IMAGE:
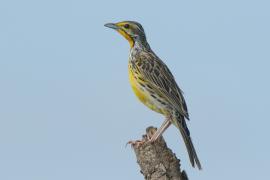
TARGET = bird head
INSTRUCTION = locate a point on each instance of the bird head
(131, 30)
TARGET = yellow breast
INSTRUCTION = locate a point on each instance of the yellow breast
(141, 93)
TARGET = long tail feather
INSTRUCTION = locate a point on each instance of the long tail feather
(188, 142)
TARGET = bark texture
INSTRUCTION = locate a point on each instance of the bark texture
(156, 160)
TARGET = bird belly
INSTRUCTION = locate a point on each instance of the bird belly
(145, 96)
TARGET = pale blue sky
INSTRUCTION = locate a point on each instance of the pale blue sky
(67, 110)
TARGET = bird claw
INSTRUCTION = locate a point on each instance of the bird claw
(136, 143)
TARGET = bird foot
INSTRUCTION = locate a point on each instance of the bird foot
(153, 139)
(151, 136)
(136, 143)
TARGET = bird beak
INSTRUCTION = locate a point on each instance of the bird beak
(112, 25)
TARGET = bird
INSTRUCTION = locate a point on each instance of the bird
(154, 84)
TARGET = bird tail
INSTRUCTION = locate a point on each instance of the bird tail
(182, 126)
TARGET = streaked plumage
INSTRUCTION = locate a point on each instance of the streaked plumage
(154, 84)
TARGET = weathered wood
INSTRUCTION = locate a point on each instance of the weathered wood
(156, 160)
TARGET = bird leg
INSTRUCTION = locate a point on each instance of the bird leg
(162, 128)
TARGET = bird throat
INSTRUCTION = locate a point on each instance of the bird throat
(128, 37)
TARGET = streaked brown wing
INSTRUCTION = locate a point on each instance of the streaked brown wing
(158, 75)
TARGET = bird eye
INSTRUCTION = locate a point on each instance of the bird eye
(126, 26)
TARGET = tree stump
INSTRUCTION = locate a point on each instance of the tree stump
(156, 160)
